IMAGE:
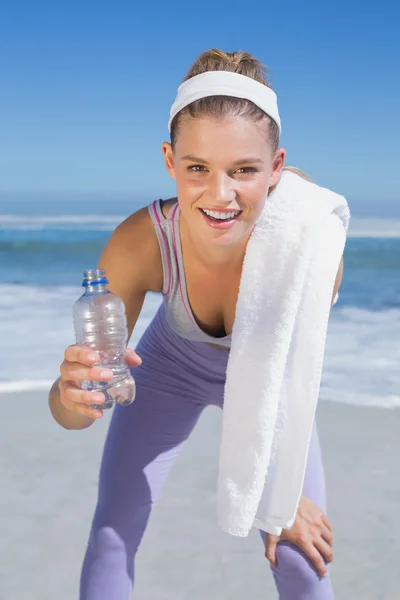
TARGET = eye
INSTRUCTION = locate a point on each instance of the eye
(246, 170)
(196, 168)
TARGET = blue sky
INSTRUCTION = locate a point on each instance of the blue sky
(86, 89)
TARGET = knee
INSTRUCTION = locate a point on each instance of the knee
(105, 540)
(295, 566)
(118, 528)
(123, 504)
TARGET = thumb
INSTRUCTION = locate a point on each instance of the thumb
(270, 553)
(132, 359)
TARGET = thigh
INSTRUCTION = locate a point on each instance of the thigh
(296, 576)
(314, 479)
(141, 446)
(142, 443)
(175, 381)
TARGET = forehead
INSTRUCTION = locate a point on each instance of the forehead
(228, 137)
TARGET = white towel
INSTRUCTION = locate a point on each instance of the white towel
(275, 363)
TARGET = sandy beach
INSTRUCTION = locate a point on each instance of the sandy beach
(49, 479)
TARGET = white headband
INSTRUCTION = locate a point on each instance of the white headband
(225, 83)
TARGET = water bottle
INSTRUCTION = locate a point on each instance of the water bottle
(100, 323)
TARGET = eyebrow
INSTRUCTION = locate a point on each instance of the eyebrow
(249, 159)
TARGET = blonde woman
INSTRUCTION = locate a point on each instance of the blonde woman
(225, 157)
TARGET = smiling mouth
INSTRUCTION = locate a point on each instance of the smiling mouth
(221, 216)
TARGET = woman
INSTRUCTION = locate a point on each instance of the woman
(225, 158)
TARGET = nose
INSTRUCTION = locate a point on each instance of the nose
(222, 188)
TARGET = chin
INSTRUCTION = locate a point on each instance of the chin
(226, 239)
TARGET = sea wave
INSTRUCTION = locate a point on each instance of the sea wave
(94, 222)
(7, 387)
(361, 364)
(37, 326)
(374, 228)
(21, 248)
(57, 219)
(359, 227)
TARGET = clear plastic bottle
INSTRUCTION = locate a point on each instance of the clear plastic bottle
(100, 323)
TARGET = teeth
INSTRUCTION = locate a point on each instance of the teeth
(221, 216)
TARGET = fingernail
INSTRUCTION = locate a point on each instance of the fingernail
(106, 374)
(93, 357)
(98, 398)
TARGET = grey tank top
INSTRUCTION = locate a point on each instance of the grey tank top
(178, 311)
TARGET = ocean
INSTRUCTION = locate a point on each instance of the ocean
(45, 247)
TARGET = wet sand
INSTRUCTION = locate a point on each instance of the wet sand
(48, 491)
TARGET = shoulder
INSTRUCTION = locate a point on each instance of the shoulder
(166, 205)
(140, 224)
(132, 252)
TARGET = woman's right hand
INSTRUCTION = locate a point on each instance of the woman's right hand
(80, 364)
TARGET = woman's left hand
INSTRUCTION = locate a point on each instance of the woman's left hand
(311, 532)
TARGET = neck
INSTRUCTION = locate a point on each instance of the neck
(214, 256)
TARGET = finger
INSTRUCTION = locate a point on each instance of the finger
(132, 358)
(324, 549)
(84, 409)
(71, 395)
(81, 354)
(270, 553)
(326, 535)
(75, 371)
(326, 522)
(316, 558)
(87, 411)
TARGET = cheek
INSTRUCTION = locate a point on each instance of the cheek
(188, 193)
(255, 194)
(190, 187)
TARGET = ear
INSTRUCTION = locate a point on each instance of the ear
(277, 166)
(166, 149)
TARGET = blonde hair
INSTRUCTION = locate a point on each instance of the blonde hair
(219, 106)
(292, 170)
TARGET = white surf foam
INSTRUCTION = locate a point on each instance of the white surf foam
(37, 327)
(84, 222)
(359, 227)
(361, 361)
(27, 385)
(43, 219)
(374, 228)
(362, 358)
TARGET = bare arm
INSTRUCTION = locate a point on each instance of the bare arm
(338, 280)
(131, 260)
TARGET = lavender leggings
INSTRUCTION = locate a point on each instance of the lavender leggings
(176, 381)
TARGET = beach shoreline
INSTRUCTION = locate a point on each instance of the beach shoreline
(49, 479)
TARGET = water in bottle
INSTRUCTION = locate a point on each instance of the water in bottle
(100, 323)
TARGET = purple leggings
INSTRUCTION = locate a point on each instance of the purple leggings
(175, 382)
